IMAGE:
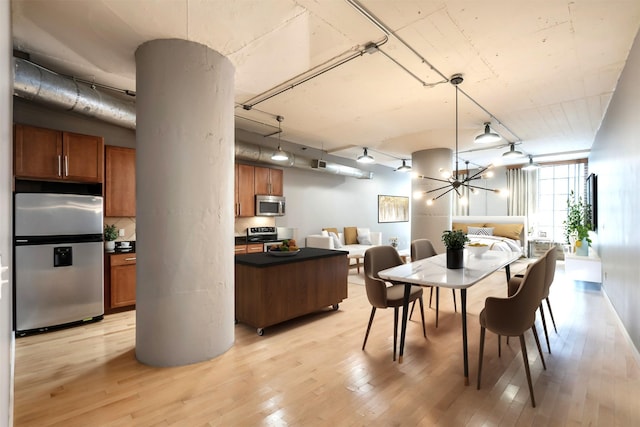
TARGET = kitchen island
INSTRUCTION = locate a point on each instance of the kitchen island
(272, 289)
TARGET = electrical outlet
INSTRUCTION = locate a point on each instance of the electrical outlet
(121, 232)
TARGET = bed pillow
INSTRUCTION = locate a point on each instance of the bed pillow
(510, 231)
(481, 231)
(350, 236)
(336, 240)
(363, 236)
(462, 226)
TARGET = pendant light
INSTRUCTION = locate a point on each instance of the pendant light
(512, 153)
(279, 155)
(365, 157)
(404, 167)
(530, 166)
(487, 136)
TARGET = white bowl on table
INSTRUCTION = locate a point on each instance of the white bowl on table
(477, 249)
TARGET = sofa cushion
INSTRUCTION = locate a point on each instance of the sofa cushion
(329, 230)
(364, 236)
(350, 236)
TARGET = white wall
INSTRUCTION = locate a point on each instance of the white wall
(6, 313)
(615, 158)
(318, 199)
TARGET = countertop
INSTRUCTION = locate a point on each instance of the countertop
(264, 259)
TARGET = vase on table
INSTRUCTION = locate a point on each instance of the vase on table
(455, 258)
(582, 247)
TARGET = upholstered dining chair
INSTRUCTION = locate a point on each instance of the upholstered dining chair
(550, 269)
(420, 249)
(514, 315)
(382, 294)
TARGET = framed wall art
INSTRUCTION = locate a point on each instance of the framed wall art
(393, 208)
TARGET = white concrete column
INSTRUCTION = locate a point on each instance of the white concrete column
(428, 222)
(184, 221)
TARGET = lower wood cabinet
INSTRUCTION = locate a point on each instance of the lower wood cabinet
(120, 282)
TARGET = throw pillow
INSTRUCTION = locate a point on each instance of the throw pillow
(336, 240)
(325, 233)
(481, 231)
(329, 230)
(364, 236)
(464, 227)
(510, 231)
(350, 236)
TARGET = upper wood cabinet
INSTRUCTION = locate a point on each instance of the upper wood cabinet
(54, 155)
(120, 181)
(268, 181)
(245, 202)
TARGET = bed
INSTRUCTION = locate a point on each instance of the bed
(501, 233)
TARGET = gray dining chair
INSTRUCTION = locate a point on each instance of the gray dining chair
(382, 294)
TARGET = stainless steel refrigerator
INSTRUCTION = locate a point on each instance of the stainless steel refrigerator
(59, 260)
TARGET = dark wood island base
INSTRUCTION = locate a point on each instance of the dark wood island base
(271, 289)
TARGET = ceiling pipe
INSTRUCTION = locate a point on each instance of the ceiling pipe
(41, 85)
(38, 84)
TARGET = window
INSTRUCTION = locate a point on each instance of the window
(555, 183)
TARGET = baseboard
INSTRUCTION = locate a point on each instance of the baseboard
(634, 349)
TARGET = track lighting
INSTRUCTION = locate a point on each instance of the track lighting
(512, 153)
(365, 157)
(404, 167)
(279, 155)
(530, 166)
(487, 136)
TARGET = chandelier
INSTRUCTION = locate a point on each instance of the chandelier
(454, 181)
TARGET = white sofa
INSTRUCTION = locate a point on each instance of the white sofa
(356, 251)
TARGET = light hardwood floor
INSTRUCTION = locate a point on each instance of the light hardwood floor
(312, 372)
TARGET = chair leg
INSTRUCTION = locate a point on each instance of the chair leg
(525, 359)
(430, 295)
(437, 304)
(481, 352)
(500, 345)
(551, 313)
(412, 307)
(366, 336)
(424, 328)
(544, 327)
(455, 307)
(395, 331)
(535, 335)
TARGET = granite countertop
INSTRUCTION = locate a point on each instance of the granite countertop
(264, 259)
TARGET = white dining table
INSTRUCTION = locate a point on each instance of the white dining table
(433, 271)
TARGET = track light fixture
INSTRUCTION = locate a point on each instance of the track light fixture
(454, 182)
(487, 136)
(365, 157)
(512, 153)
(404, 167)
(279, 155)
(530, 166)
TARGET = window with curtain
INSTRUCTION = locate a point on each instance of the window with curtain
(555, 183)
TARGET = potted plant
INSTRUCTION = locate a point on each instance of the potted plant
(110, 235)
(577, 225)
(454, 241)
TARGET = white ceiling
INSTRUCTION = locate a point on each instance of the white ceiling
(541, 71)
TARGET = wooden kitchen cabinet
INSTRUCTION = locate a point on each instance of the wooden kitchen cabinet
(245, 202)
(120, 182)
(268, 181)
(120, 289)
(251, 248)
(54, 155)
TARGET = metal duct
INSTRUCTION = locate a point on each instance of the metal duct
(256, 153)
(40, 85)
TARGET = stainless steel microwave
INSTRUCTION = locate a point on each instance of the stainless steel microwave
(270, 205)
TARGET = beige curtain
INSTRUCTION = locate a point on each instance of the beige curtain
(523, 194)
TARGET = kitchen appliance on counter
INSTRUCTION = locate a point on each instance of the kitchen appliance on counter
(265, 235)
(58, 256)
(270, 205)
